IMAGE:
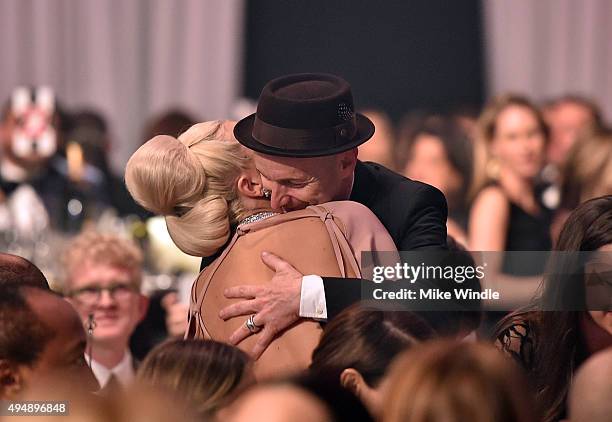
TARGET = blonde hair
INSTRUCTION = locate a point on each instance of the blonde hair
(587, 173)
(486, 126)
(456, 381)
(206, 373)
(192, 181)
(91, 246)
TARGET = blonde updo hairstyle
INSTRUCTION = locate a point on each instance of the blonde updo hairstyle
(192, 182)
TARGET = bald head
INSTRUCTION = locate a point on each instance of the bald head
(17, 270)
(589, 399)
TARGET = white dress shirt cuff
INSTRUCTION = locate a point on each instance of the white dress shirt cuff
(312, 301)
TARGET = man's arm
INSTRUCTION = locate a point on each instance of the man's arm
(424, 220)
(420, 225)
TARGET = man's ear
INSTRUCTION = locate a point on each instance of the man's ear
(352, 380)
(348, 160)
(249, 186)
(11, 380)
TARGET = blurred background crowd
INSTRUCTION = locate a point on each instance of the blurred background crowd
(503, 106)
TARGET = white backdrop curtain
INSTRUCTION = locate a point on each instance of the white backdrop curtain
(546, 48)
(128, 59)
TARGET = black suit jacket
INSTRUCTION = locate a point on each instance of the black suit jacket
(413, 213)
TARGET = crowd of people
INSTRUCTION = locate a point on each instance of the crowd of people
(287, 209)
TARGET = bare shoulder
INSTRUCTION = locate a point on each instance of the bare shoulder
(349, 208)
(488, 220)
(491, 197)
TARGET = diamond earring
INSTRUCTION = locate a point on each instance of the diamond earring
(266, 193)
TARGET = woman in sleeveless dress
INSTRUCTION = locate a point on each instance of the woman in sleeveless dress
(506, 214)
(206, 185)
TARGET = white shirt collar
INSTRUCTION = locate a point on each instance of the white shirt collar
(124, 371)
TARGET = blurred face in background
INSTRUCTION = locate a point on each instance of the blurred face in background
(429, 163)
(111, 294)
(63, 354)
(28, 141)
(566, 120)
(599, 285)
(278, 404)
(518, 142)
(379, 148)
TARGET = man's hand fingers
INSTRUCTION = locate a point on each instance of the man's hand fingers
(246, 307)
(264, 339)
(274, 262)
(242, 292)
(239, 335)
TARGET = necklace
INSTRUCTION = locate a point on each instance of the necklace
(257, 217)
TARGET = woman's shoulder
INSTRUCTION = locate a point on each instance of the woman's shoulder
(492, 195)
(353, 216)
(345, 207)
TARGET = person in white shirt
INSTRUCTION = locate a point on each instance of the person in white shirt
(103, 277)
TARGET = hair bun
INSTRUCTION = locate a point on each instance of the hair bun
(163, 175)
(204, 229)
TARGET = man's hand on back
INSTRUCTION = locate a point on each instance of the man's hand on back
(276, 306)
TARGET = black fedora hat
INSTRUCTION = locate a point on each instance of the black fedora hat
(304, 115)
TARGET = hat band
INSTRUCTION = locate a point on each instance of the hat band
(304, 139)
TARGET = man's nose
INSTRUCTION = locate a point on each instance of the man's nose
(279, 200)
(106, 299)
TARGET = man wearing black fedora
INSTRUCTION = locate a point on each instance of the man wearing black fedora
(305, 135)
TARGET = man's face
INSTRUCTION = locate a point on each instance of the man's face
(298, 182)
(63, 354)
(33, 153)
(111, 295)
(566, 121)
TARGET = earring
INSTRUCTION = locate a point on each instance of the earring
(266, 193)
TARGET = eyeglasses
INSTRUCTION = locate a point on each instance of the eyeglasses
(91, 295)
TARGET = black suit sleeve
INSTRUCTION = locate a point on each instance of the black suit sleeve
(422, 212)
(340, 293)
(424, 220)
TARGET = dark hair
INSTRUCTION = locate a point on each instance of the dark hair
(457, 147)
(342, 404)
(468, 315)
(366, 340)
(172, 122)
(17, 270)
(23, 336)
(557, 334)
(90, 130)
(205, 372)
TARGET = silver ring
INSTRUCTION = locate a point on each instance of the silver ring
(267, 193)
(251, 326)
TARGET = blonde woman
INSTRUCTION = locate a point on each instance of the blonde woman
(208, 374)
(510, 145)
(206, 185)
(587, 173)
(447, 381)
